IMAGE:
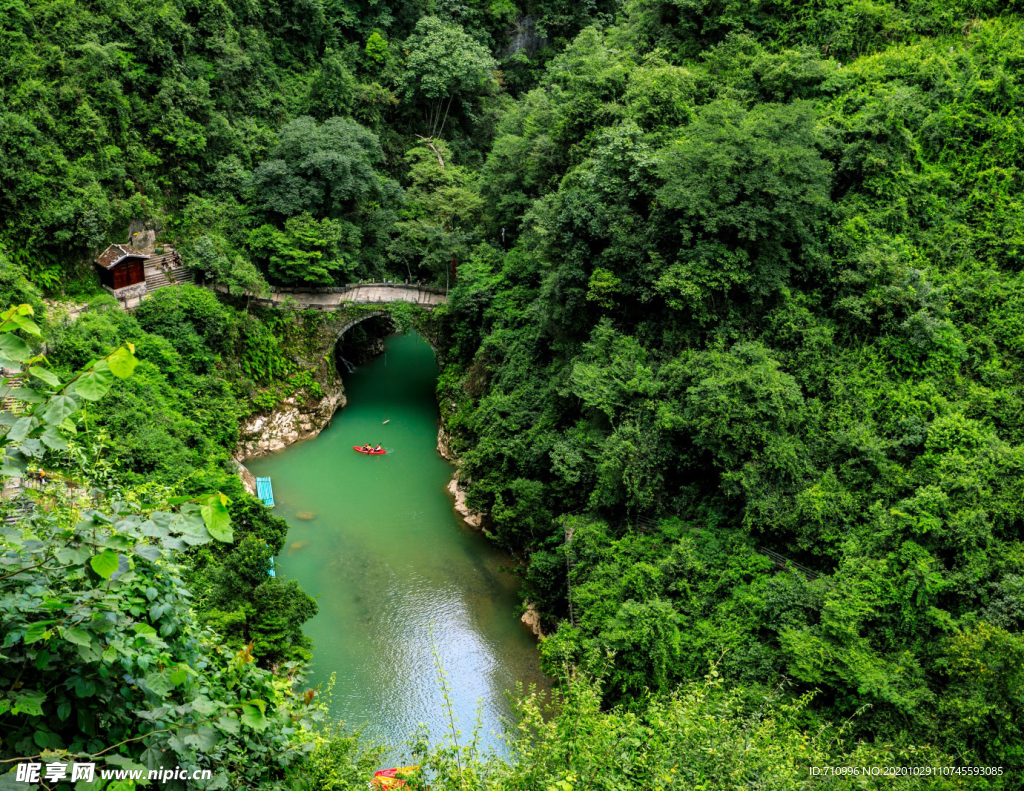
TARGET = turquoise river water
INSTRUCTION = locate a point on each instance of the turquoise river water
(398, 577)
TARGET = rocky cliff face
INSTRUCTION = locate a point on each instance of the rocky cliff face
(455, 489)
(532, 621)
(469, 516)
(524, 37)
(444, 445)
(289, 422)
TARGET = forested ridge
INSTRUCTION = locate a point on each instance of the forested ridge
(731, 362)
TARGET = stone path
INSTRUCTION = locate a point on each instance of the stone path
(362, 294)
(393, 293)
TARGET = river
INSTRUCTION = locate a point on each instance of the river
(398, 577)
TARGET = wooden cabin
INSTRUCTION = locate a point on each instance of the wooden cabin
(121, 266)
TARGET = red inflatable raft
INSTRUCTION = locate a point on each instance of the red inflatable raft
(359, 449)
(392, 778)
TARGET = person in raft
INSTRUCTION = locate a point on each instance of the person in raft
(377, 448)
(367, 447)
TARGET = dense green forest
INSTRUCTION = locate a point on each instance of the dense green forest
(728, 282)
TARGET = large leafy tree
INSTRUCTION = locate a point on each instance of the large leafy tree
(331, 208)
(444, 63)
(307, 251)
(744, 197)
(327, 169)
(437, 224)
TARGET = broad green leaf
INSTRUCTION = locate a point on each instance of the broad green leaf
(218, 520)
(37, 631)
(147, 551)
(53, 439)
(124, 762)
(45, 374)
(153, 529)
(151, 757)
(32, 447)
(205, 706)
(124, 566)
(89, 653)
(14, 348)
(194, 540)
(84, 688)
(59, 408)
(28, 395)
(27, 325)
(117, 542)
(105, 563)
(167, 521)
(158, 684)
(104, 622)
(122, 362)
(75, 635)
(229, 723)
(193, 524)
(66, 555)
(94, 384)
(20, 430)
(30, 703)
(254, 718)
(204, 738)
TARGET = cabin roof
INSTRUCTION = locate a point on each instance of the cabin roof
(116, 253)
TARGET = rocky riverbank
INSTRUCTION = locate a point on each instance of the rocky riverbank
(455, 488)
(294, 419)
(469, 516)
(532, 621)
(531, 618)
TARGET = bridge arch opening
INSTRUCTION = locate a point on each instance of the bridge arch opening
(361, 339)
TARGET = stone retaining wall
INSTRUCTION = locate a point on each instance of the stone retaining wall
(129, 296)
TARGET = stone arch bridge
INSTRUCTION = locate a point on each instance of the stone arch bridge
(354, 304)
(322, 317)
(337, 298)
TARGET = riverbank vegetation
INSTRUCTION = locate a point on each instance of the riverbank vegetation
(761, 296)
(731, 360)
